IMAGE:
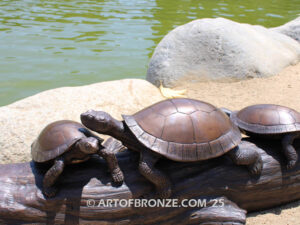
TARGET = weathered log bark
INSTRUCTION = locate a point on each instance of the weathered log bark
(21, 200)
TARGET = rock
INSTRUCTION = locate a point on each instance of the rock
(291, 29)
(220, 49)
(21, 122)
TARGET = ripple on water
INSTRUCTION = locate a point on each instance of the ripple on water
(43, 42)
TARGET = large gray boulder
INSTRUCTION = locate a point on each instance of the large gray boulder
(220, 49)
(22, 121)
(291, 29)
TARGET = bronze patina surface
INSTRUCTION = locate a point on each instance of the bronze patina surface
(184, 130)
(267, 118)
(55, 139)
(68, 142)
(271, 121)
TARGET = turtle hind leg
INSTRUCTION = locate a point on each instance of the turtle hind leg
(288, 149)
(247, 156)
(155, 176)
(49, 190)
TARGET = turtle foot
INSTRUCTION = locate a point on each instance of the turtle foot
(291, 164)
(117, 176)
(164, 193)
(256, 167)
(50, 192)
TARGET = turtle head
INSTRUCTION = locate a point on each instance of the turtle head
(89, 145)
(98, 121)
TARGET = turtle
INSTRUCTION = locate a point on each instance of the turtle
(271, 121)
(66, 142)
(181, 129)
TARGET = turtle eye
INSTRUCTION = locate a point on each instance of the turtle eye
(101, 118)
(89, 116)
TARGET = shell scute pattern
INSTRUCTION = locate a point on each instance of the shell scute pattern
(193, 129)
(55, 139)
(267, 119)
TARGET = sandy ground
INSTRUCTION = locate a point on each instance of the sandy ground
(283, 89)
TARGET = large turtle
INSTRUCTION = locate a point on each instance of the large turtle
(180, 129)
(67, 142)
(271, 121)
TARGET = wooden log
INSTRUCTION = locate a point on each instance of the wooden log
(86, 187)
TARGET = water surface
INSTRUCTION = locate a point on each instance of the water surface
(49, 43)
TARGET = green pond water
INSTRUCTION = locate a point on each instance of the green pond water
(46, 44)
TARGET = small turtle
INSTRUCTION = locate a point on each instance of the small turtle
(271, 121)
(67, 142)
(184, 130)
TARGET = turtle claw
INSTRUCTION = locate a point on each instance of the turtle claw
(164, 193)
(291, 164)
(256, 167)
(50, 192)
(117, 176)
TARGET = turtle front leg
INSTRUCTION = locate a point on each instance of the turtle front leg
(247, 156)
(289, 150)
(155, 176)
(51, 177)
(111, 146)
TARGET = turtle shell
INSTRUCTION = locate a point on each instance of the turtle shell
(55, 139)
(184, 129)
(267, 119)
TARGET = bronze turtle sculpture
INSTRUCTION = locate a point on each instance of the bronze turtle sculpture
(271, 121)
(68, 142)
(183, 130)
